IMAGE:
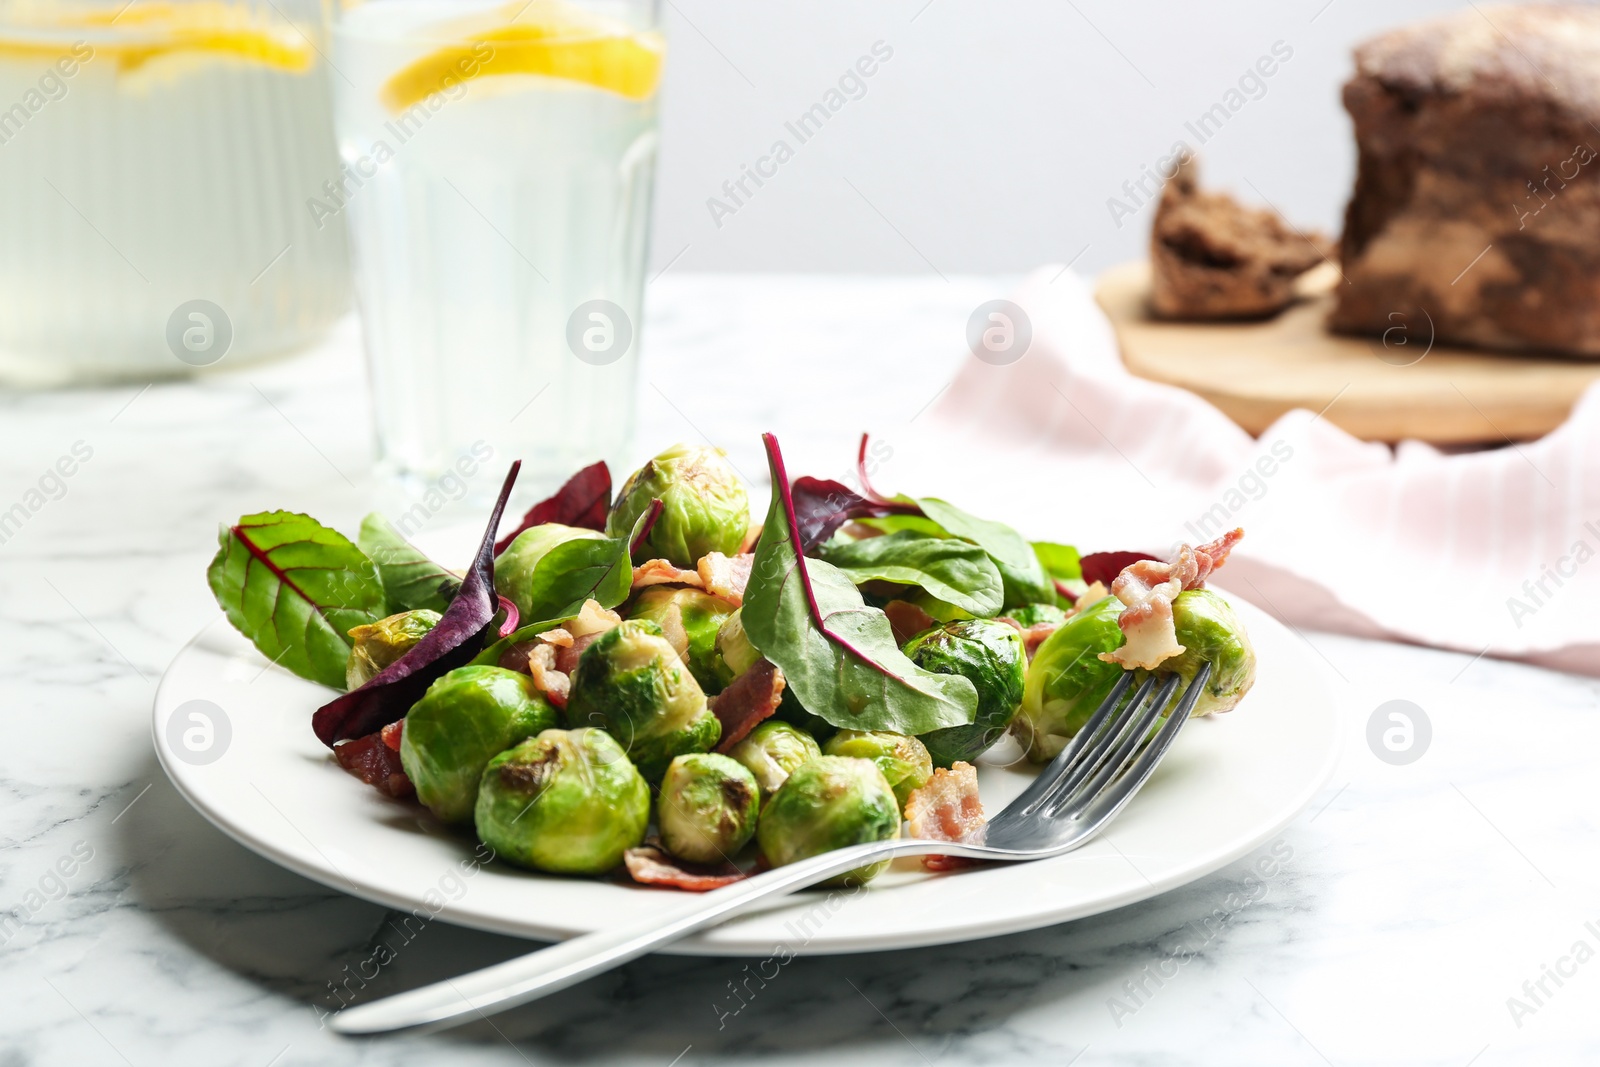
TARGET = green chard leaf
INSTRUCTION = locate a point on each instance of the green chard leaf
(296, 588)
(951, 570)
(587, 568)
(839, 656)
(410, 579)
(1062, 566)
(1020, 570)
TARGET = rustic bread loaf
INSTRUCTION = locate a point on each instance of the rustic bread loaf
(1476, 205)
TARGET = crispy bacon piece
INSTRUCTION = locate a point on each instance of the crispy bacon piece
(906, 620)
(649, 864)
(558, 637)
(1032, 636)
(391, 734)
(554, 684)
(947, 808)
(726, 576)
(372, 760)
(661, 572)
(1091, 596)
(1148, 588)
(752, 697)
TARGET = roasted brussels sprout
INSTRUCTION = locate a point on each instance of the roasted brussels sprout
(708, 807)
(632, 683)
(829, 802)
(991, 656)
(704, 507)
(735, 653)
(513, 570)
(904, 761)
(1033, 614)
(772, 751)
(690, 621)
(1208, 630)
(378, 644)
(462, 721)
(1067, 680)
(566, 801)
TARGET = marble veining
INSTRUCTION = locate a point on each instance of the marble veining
(1403, 911)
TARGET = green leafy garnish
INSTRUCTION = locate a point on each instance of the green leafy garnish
(1024, 578)
(296, 588)
(954, 571)
(587, 568)
(838, 656)
(1063, 566)
(410, 579)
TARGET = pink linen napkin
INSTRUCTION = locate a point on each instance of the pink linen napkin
(1492, 552)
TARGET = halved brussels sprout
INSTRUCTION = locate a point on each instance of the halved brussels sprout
(904, 761)
(513, 569)
(704, 506)
(772, 751)
(829, 802)
(632, 683)
(735, 653)
(462, 721)
(989, 654)
(378, 644)
(566, 801)
(690, 620)
(1033, 614)
(1067, 680)
(1210, 631)
(708, 807)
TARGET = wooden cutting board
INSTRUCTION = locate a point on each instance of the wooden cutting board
(1377, 389)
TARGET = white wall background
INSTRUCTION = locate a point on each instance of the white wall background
(992, 139)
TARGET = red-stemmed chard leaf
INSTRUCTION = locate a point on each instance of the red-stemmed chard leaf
(583, 501)
(512, 617)
(822, 505)
(1102, 567)
(838, 655)
(643, 529)
(451, 644)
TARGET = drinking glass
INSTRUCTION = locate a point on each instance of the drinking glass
(498, 163)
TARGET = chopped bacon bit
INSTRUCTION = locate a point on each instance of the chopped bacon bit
(391, 734)
(750, 698)
(649, 864)
(726, 576)
(947, 808)
(662, 572)
(558, 637)
(1035, 635)
(593, 619)
(1148, 588)
(371, 759)
(554, 684)
(567, 658)
(1089, 598)
(906, 620)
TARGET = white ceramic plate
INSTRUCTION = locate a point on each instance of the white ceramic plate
(1230, 783)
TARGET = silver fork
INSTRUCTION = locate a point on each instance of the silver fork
(1088, 783)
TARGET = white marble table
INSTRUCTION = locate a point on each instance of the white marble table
(1414, 901)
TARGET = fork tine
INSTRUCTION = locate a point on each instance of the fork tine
(1069, 755)
(1133, 731)
(1101, 806)
(1094, 743)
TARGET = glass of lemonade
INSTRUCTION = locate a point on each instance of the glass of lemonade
(155, 159)
(498, 163)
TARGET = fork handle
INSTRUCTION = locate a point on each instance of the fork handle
(517, 981)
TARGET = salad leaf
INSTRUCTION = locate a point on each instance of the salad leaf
(954, 571)
(410, 579)
(1064, 570)
(457, 637)
(296, 588)
(587, 568)
(838, 655)
(1024, 578)
(1105, 566)
(822, 505)
(583, 501)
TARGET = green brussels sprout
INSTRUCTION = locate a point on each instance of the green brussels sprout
(708, 807)
(462, 721)
(693, 618)
(773, 750)
(829, 802)
(704, 507)
(632, 683)
(566, 801)
(1034, 614)
(1067, 680)
(735, 653)
(378, 644)
(904, 761)
(992, 656)
(513, 568)
(1208, 630)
